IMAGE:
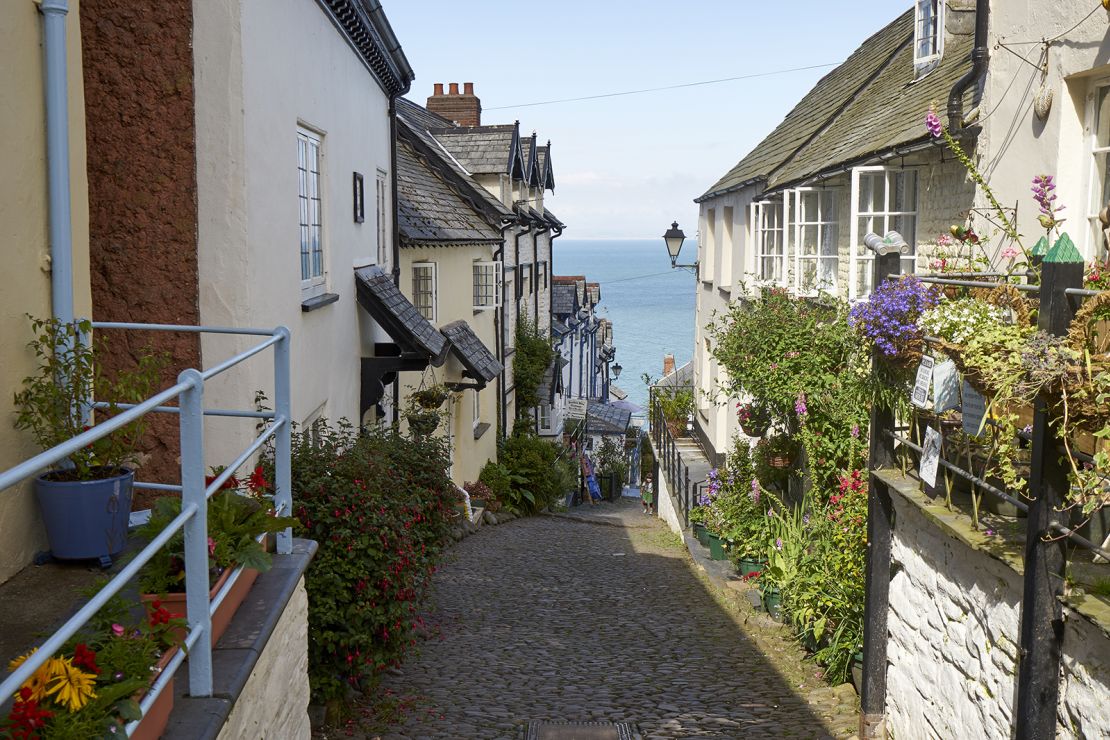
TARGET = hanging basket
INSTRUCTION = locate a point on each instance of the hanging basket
(1007, 296)
(422, 424)
(430, 398)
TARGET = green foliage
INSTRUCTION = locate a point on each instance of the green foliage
(379, 505)
(530, 462)
(532, 357)
(611, 459)
(235, 521)
(53, 402)
(676, 403)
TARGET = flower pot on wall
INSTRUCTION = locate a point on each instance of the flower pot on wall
(716, 548)
(175, 602)
(750, 565)
(772, 601)
(699, 531)
(157, 716)
(86, 519)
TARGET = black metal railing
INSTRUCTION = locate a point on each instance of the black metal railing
(1047, 539)
(671, 465)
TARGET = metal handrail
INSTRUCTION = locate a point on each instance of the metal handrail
(195, 492)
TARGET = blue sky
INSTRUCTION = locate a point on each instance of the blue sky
(627, 166)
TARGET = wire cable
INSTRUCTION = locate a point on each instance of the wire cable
(667, 87)
(1061, 35)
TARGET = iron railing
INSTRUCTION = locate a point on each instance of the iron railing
(193, 519)
(669, 458)
(1047, 538)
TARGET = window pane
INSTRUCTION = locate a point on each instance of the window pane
(1102, 117)
(867, 224)
(830, 239)
(904, 191)
(1100, 184)
(871, 188)
(809, 275)
(863, 277)
(907, 227)
(809, 240)
(826, 275)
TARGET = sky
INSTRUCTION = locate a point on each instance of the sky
(626, 166)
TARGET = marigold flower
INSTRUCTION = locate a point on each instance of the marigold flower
(71, 687)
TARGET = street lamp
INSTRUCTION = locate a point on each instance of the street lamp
(617, 371)
(674, 238)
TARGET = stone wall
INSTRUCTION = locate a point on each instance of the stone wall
(274, 702)
(666, 506)
(954, 625)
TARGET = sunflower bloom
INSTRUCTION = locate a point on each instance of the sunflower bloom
(71, 687)
(39, 680)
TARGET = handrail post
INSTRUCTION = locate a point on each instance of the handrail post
(879, 525)
(686, 486)
(1042, 622)
(196, 531)
(283, 495)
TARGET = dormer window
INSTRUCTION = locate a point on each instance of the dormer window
(928, 35)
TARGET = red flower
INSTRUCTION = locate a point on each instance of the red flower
(257, 482)
(84, 657)
(26, 718)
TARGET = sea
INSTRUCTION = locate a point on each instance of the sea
(650, 304)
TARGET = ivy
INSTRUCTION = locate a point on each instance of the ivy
(533, 355)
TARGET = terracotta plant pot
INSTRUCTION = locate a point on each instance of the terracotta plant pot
(157, 716)
(175, 602)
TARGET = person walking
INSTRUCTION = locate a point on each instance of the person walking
(647, 497)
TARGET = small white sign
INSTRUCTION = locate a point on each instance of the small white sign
(974, 409)
(576, 408)
(920, 396)
(946, 387)
(930, 457)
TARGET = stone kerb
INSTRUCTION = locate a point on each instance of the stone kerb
(954, 626)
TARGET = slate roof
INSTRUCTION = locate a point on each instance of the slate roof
(543, 164)
(617, 392)
(552, 218)
(564, 299)
(380, 298)
(415, 123)
(606, 419)
(479, 362)
(528, 150)
(552, 380)
(593, 290)
(429, 211)
(558, 328)
(865, 105)
(484, 150)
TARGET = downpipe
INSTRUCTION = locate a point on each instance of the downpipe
(54, 14)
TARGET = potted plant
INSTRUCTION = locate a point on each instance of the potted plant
(754, 418)
(93, 686)
(237, 522)
(430, 398)
(85, 501)
(422, 423)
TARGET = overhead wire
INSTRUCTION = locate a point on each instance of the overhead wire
(1062, 34)
(665, 87)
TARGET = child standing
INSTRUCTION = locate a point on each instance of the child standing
(647, 498)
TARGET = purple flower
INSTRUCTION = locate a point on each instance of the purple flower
(778, 543)
(800, 405)
(855, 431)
(805, 519)
(932, 122)
(1044, 187)
(889, 318)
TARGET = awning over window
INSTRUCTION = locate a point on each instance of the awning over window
(479, 362)
(416, 343)
(552, 381)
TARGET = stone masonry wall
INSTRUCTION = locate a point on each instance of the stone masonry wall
(274, 702)
(954, 626)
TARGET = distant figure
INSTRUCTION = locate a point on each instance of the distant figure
(647, 498)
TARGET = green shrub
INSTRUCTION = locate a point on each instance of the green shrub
(496, 477)
(379, 505)
(533, 355)
(530, 461)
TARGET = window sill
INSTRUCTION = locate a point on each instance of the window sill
(480, 429)
(726, 289)
(325, 299)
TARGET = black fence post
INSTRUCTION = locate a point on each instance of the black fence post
(1042, 625)
(879, 519)
(686, 508)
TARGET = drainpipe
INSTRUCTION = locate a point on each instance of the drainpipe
(535, 266)
(395, 230)
(979, 56)
(57, 157)
(498, 323)
(516, 256)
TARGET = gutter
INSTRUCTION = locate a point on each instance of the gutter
(516, 258)
(536, 289)
(392, 45)
(57, 158)
(499, 339)
(979, 57)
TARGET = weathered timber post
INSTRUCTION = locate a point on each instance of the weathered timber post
(1042, 624)
(872, 722)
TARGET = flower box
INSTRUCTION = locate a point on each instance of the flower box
(157, 716)
(716, 548)
(175, 602)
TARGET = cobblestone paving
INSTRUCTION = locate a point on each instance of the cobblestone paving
(552, 619)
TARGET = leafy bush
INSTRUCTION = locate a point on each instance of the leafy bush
(611, 459)
(379, 505)
(530, 462)
(532, 357)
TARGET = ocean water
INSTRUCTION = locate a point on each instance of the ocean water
(650, 304)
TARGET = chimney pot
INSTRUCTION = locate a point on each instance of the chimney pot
(438, 89)
(468, 88)
(454, 88)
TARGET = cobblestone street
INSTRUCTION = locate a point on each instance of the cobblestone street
(560, 620)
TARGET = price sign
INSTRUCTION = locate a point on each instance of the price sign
(576, 408)
(924, 382)
(930, 457)
(974, 408)
(946, 387)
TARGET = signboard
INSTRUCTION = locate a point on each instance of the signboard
(946, 387)
(930, 457)
(975, 409)
(576, 408)
(920, 397)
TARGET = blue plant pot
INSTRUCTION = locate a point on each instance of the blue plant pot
(86, 519)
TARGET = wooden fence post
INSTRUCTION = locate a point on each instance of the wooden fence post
(879, 520)
(1042, 625)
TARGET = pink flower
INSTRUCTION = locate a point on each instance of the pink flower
(117, 630)
(932, 122)
(1010, 252)
(211, 547)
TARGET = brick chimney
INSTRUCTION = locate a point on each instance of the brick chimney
(668, 364)
(463, 108)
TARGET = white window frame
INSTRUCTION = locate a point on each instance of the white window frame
(310, 199)
(727, 245)
(543, 415)
(494, 268)
(416, 292)
(1095, 181)
(937, 46)
(762, 209)
(860, 255)
(822, 221)
(476, 408)
(710, 264)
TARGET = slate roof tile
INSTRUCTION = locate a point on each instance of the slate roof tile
(380, 298)
(430, 211)
(479, 362)
(606, 419)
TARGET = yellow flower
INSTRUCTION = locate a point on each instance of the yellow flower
(38, 681)
(72, 686)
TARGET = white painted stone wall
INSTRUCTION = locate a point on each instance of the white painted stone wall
(274, 702)
(665, 505)
(952, 656)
